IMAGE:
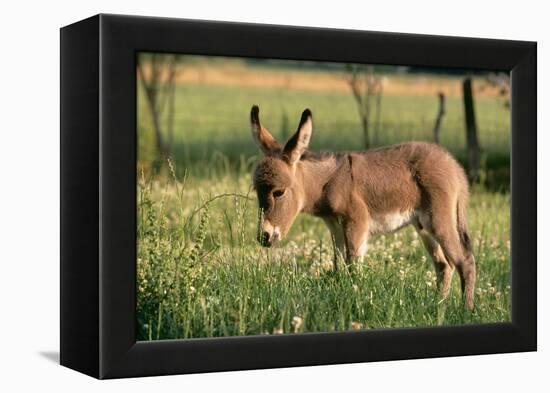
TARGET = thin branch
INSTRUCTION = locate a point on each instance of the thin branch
(230, 194)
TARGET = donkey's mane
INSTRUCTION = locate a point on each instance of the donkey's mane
(320, 155)
(409, 148)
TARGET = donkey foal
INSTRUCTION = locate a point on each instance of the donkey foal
(359, 194)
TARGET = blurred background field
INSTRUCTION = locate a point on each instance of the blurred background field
(201, 272)
(213, 96)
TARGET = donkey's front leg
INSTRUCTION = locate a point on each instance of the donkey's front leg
(356, 240)
(356, 231)
(338, 240)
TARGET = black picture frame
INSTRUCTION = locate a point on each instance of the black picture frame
(98, 195)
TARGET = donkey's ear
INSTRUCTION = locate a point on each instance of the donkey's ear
(261, 135)
(297, 145)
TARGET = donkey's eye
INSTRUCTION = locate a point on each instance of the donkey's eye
(278, 193)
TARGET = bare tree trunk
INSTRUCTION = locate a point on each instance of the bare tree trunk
(471, 131)
(150, 89)
(171, 97)
(158, 95)
(363, 106)
(365, 126)
(363, 96)
(439, 117)
(378, 111)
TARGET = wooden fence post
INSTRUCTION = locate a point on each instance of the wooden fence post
(472, 142)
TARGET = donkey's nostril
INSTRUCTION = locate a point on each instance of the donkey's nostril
(264, 239)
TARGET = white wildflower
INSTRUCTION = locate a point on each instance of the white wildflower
(278, 331)
(355, 325)
(296, 323)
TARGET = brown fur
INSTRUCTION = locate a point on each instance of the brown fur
(359, 194)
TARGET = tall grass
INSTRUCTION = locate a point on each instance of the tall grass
(200, 272)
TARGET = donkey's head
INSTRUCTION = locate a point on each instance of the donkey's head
(277, 182)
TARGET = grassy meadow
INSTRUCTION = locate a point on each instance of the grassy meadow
(200, 270)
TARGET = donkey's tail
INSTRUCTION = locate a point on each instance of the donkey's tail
(462, 222)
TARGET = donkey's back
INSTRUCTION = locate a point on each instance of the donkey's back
(407, 177)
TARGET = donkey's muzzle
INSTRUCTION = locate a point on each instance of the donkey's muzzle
(268, 234)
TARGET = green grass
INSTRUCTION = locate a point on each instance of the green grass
(202, 274)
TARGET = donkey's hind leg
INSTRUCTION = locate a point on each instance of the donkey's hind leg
(443, 268)
(444, 230)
